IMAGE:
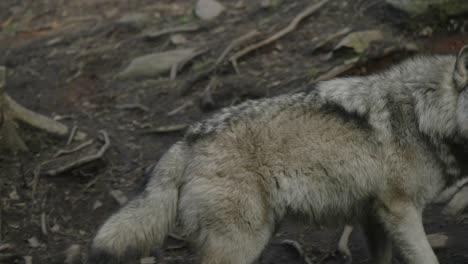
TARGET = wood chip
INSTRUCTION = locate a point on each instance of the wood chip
(28, 260)
(73, 254)
(34, 242)
(119, 196)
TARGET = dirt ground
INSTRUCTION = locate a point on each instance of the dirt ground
(63, 58)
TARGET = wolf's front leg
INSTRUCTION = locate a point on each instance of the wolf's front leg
(403, 222)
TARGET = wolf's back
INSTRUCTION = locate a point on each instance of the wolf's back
(143, 223)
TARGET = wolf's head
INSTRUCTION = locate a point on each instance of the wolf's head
(460, 82)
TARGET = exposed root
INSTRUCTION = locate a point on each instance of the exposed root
(179, 66)
(298, 248)
(343, 248)
(186, 87)
(75, 149)
(11, 111)
(84, 160)
(288, 29)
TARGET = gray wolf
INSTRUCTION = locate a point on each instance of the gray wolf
(373, 150)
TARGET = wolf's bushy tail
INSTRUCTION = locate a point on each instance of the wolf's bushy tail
(143, 223)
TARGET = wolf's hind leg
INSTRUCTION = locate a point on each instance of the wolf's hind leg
(404, 225)
(235, 247)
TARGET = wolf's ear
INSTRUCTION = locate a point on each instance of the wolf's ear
(460, 75)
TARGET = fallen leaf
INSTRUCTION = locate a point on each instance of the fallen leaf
(155, 64)
(360, 41)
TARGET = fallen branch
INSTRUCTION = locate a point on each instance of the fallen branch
(185, 88)
(291, 27)
(84, 160)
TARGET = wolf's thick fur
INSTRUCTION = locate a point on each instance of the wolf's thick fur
(373, 150)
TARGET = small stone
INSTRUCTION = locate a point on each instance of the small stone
(111, 12)
(208, 9)
(426, 32)
(34, 242)
(119, 196)
(4, 247)
(27, 260)
(73, 254)
(97, 204)
(239, 4)
(458, 203)
(438, 240)
(55, 228)
(14, 195)
(178, 39)
(266, 4)
(149, 260)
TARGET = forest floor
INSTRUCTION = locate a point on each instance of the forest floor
(65, 60)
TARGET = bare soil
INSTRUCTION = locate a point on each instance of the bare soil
(63, 57)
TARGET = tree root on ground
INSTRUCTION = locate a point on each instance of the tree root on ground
(11, 111)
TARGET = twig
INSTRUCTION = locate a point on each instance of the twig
(84, 160)
(166, 129)
(72, 135)
(185, 88)
(88, 185)
(133, 106)
(346, 66)
(184, 28)
(291, 27)
(75, 149)
(179, 66)
(35, 182)
(181, 108)
(44, 223)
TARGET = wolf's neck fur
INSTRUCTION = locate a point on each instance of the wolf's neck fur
(426, 84)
